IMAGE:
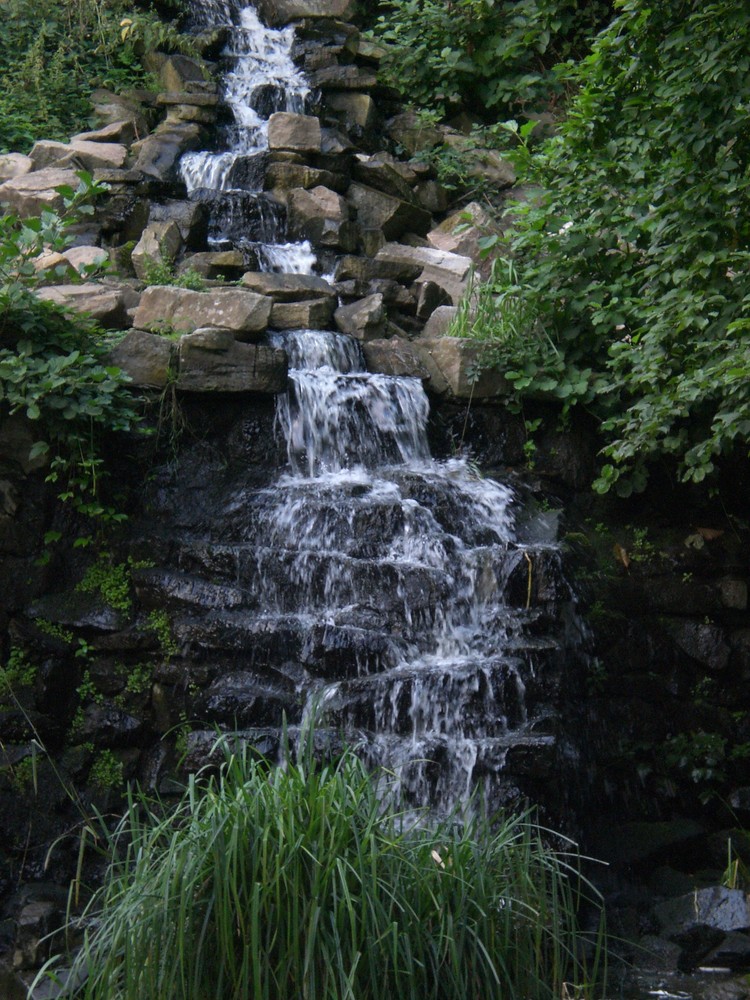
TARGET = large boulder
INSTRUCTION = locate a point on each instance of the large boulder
(228, 265)
(297, 133)
(159, 242)
(462, 231)
(79, 154)
(281, 178)
(394, 357)
(277, 12)
(165, 307)
(355, 109)
(30, 194)
(122, 131)
(455, 368)
(364, 319)
(350, 268)
(314, 314)
(145, 357)
(394, 216)
(448, 271)
(14, 165)
(213, 361)
(159, 153)
(379, 171)
(321, 216)
(191, 218)
(109, 304)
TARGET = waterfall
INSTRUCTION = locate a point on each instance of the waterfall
(260, 78)
(381, 593)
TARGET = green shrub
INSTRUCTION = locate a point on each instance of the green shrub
(634, 255)
(293, 883)
(53, 53)
(53, 366)
(481, 53)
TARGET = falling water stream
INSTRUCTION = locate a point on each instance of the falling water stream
(379, 583)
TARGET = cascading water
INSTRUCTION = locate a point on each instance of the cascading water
(260, 78)
(373, 589)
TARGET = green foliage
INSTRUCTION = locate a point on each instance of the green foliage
(158, 623)
(53, 53)
(52, 363)
(18, 673)
(162, 272)
(111, 581)
(634, 256)
(482, 53)
(106, 772)
(293, 883)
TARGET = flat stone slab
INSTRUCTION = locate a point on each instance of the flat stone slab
(288, 287)
(394, 357)
(107, 304)
(449, 271)
(212, 361)
(165, 307)
(30, 194)
(297, 133)
(717, 907)
(277, 12)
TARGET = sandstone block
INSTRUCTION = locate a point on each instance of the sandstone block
(311, 315)
(453, 364)
(159, 153)
(165, 306)
(14, 165)
(299, 133)
(206, 366)
(394, 357)
(160, 241)
(277, 12)
(30, 194)
(145, 357)
(288, 287)
(356, 110)
(364, 319)
(123, 132)
(108, 304)
(449, 271)
(378, 210)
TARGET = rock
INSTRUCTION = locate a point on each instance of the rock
(364, 319)
(377, 210)
(52, 265)
(279, 12)
(394, 357)
(311, 315)
(165, 306)
(109, 726)
(196, 100)
(732, 953)
(191, 218)
(284, 177)
(110, 107)
(145, 357)
(299, 133)
(212, 361)
(210, 42)
(704, 643)
(354, 78)
(159, 153)
(160, 242)
(439, 322)
(108, 304)
(30, 194)
(14, 165)
(430, 297)
(368, 269)
(453, 364)
(321, 216)
(288, 287)
(227, 264)
(80, 155)
(86, 258)
(179, 72)
(356, 110)
(378, 171)
(733, 593)
(474, 223)
(242, 698)
(36, 922)
(448, 271)
(658, 954)
(118, 131)
(719, 908)
(409, 131)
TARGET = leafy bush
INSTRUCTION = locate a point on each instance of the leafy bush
(293, 883)
(634, 258)
(482, 53)
(53, 53)
(52, 363)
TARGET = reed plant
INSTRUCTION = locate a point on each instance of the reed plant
(294, 882)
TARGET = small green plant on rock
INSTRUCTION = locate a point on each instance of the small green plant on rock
(106, 772)
(158, 623)
(18, 673)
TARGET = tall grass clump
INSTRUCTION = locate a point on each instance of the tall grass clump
(290, 883)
